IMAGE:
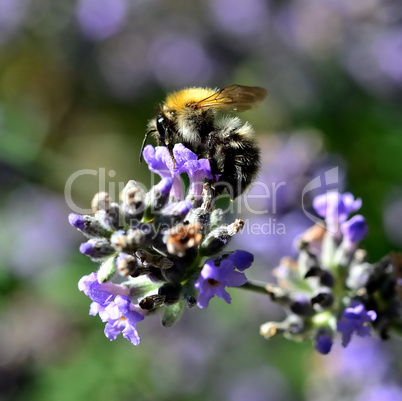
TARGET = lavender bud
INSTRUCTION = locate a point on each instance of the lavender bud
(278, 295)
(217, 239)
(323, 298)
(295, 325)
(199, 216)
(323, 340)
(127, 265)
(89, 226)
(96, 248)
(133, 198)
(208, 197)
(111, 218)
(134, 239)
(157, 197)
(327, 279)
(301, 305)
(173, 214)
(216, 218)
(359, 275)
(106, 270)
(101, 201)
(183, 237)
(271, 329)
(313, 271)
(172, 314)
(171, 292)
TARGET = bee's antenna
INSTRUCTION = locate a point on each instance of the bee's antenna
(144, 142)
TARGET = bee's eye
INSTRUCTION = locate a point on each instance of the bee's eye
(172, 113)
(159, 126)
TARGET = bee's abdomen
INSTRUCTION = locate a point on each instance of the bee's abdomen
(236, 156)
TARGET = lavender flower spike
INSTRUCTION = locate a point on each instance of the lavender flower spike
(355, 319)
(214, 279)
(336, 208)
(158, 244)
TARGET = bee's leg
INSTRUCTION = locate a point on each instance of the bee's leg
(169, 145)
(210, 151)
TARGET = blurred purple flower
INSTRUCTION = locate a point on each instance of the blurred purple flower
(335, 206)
(312, 26)
(100, 19)
(388, 51)
(355, 229)
(124, 65)
(240, 17)
(178, 60)
(357, 372)
(355, 319)
(12, 13)
(214, 279)
(383, 392)
(273, 205)
(33, 220)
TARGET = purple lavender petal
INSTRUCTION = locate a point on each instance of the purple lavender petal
(123, 320)
(355, 319)
(355, 229)
(130, 333)
(235, 279)
(76, 220)
(335, 206)
(222, 293)
(213, 280)
(165, 185)
(241, 260)
(87, 248)
(159, 160)
(112, 330)
(183, 155)
(206, 293)
(100, 293)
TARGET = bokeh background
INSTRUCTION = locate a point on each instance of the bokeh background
(79, 80)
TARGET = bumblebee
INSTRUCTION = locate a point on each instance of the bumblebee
(189, 116)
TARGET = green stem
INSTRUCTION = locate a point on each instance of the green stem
(256, 286)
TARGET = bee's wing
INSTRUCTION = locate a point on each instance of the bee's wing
(232, 98)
